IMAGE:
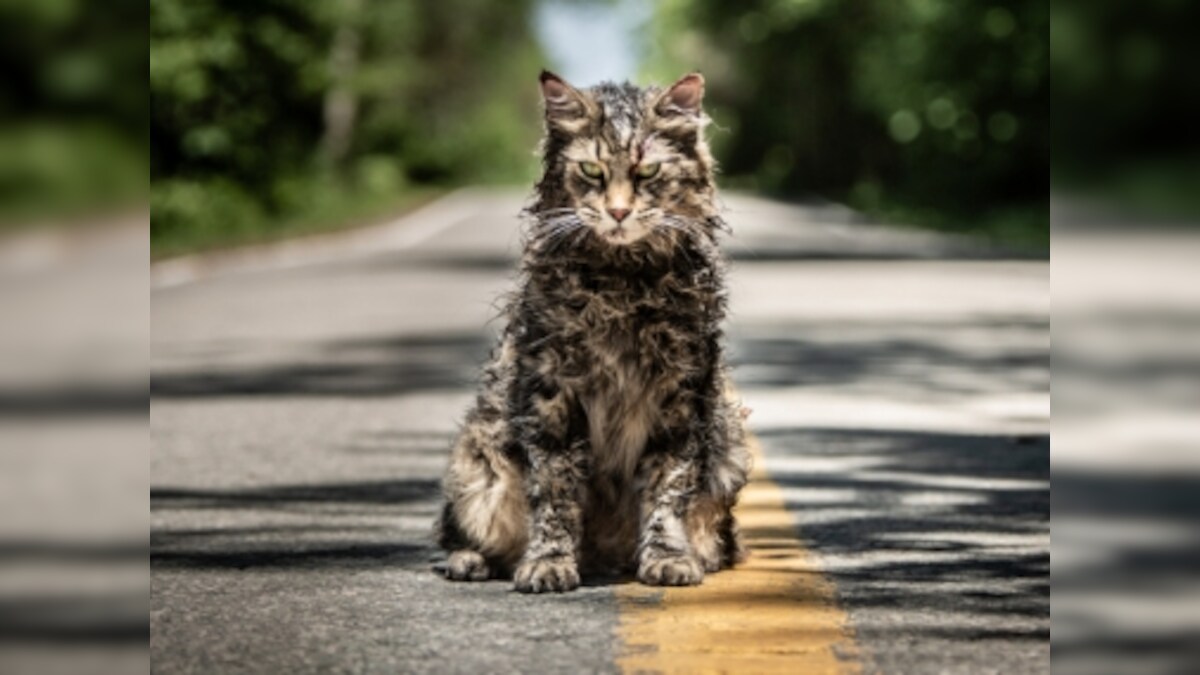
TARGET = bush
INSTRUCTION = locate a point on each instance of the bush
(184, 214)
(935, 108)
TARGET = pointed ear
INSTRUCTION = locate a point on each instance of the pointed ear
(564, 104)
(683, 97)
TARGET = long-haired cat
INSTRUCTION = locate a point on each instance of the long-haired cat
(603, 437)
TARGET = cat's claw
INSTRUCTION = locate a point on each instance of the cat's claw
(467, 565)
(673, 571)
(547, 575)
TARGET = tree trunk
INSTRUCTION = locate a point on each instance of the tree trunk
(341, 99)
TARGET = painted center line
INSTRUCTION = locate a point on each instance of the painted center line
(775, 613)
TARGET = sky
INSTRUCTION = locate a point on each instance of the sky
(590, 42)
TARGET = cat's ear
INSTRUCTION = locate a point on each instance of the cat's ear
(565, 106)
(682, 98)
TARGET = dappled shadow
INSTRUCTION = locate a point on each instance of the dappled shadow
(75, 593)
(42, 551)
(1154, 495)
(361, 367)
(71, 402)
(354, 543)
(944, 536)
(926, 526)
(400, 491)
(290, 555)
(1126, 555)
(311, 545)
(73, 620)
(930, 537)
(944, 358)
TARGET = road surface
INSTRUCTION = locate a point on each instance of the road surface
(303, 399)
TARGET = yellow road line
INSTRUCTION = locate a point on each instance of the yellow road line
(775, 613)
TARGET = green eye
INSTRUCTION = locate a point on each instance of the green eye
(591, 169)
(646, 170)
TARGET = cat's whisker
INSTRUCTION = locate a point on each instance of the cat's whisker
(554, 233)
(554, 211)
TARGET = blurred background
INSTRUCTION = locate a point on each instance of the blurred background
(276, 118)
(74, 183)
(73, 110)
(1126, 454)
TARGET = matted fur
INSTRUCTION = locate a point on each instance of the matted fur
(602, 437)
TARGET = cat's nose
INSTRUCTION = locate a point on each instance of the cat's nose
(618, 214)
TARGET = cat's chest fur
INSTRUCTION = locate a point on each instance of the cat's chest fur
(636, 344)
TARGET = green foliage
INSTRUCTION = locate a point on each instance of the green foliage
(1126, 95)
(72, 107)
(243, 137)
(235, 88)
(935, 109)
(190, 212)
(216, 213)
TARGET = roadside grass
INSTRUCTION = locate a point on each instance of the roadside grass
(1017, 228)
(1159, 190)
(194, 217)
(1022, 229)
(53, 172)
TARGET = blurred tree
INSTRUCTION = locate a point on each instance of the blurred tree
(73, 107)
(272, 110)
(934, 110)
(341, 98)
(1127, 92)
(236, 88)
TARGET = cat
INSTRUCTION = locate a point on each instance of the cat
(604, 437)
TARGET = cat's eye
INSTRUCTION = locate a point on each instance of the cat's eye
(591, 169)
(646, 170)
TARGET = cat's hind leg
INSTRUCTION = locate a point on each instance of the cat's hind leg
(464, 562)
(467, 565)
(484, 521)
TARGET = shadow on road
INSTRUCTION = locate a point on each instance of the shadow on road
(943, 358)
(900, 359)
(364, 367)
(929, 536)
(44, 615)
(1121, 540)
(286, 496)
(353, 544)
(54, 619)
(339, 557)
(925, 525)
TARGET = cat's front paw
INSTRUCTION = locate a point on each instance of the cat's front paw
(547, 575)
(681, 570)
(467, 565)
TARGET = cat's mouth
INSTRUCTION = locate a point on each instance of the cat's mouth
(622, 234)
(618, 233)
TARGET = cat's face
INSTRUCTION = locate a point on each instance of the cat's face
(626, 161)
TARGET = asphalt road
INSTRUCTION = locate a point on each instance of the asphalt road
(303, 399)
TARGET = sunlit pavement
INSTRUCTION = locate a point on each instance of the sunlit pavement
(303, 399)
